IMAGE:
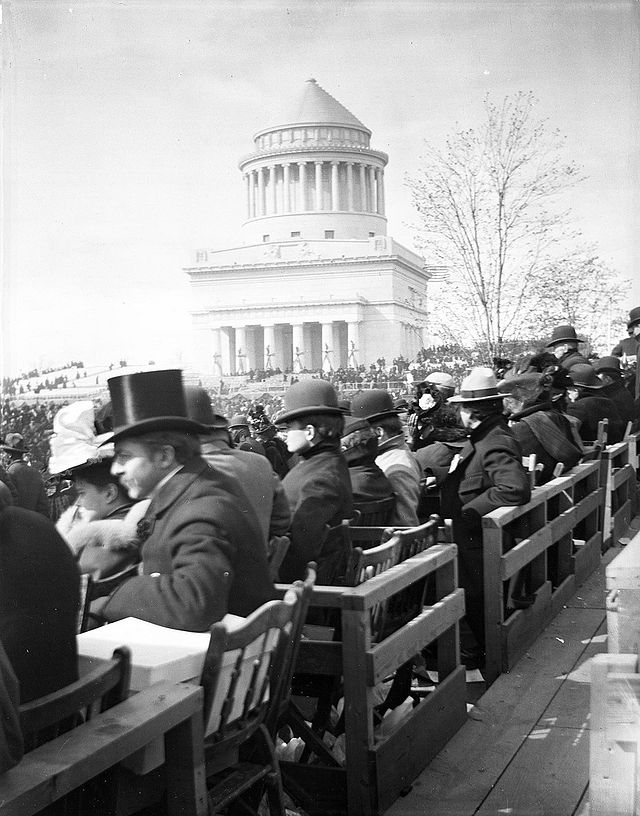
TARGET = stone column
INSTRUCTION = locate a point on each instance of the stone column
(241, 350)
(273, 170)
(269, 347)
(363, 188)
(350, 186)
(227, 338)
(327, 346)
(372, 188)
(297, 347)
(286, 197)
(260, 208)
(216, 352)
(335, 190)
(247, 181)
(318, 165)
(381, 191)
(353, 344)
(302, 184)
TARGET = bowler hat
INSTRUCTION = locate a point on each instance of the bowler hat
(526, 381)
(352, 424)
(442, 379)
(563, 334)
(149, 401)
(479, 386)
(14, 442)
(373, 404)
(634, 317)
(307, 397)
(199, 409)
(584, 376)
(239, 421)
(607, 364)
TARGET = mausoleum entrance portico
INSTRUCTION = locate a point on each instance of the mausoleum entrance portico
(305, 344)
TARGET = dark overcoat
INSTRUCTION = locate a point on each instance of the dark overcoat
(590, 408)
(203, 555)
(39, 598)
(32, 494)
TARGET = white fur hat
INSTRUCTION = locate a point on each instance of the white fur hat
(74, 442)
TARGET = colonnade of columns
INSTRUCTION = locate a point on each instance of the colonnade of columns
(287, 346)
(292, 187)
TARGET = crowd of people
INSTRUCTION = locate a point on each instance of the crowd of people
(195, 490)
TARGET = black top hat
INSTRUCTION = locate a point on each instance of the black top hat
(563, 334)
(634, 317)
(149, 401)
(199, 409)
(308, 397)
(374, 404)
(14, 443)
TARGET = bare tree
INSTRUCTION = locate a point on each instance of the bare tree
(489, 207)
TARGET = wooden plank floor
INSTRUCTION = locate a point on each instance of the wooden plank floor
(524, 750)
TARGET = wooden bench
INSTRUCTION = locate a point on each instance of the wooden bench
(614, 781)
(64, 764)
(382, 761)
(618, 474)
(555, 542)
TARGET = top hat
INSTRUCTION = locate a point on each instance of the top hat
(149, 401)
(74, 443)
(607, 364)
(634, 317)
(374, 404)
(239, 421)
(563, 334)
(199, 409)
(14, 443)
(479, 386)
(308, 397)
(584, 376)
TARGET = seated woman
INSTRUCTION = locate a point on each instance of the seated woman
(535, 417)
(431, 418)
(101, 526)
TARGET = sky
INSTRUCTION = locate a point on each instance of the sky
(123, 123)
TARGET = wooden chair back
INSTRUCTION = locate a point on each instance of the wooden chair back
(533, 468)
(103, 686)
(91, 589)
(414, 540)
(594, 451)
(278, 546)
(364, 564)
(334, 554)
(375, 513)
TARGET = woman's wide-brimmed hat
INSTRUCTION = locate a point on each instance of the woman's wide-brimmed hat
(199, 409)
(374, 404)
(14, 443)
(563, 334)
(150, 401)
(584, 376)
(634, 317)
(526, 381)
(308, 397)
(74, 443)
(479, 386)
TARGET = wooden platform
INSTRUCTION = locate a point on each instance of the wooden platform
(524, 749)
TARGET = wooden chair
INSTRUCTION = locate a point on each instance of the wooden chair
(533, 468)
(278, 546)
(245, 680)
(375, 513)
(91, 589)
(594, 451)
(46, 718)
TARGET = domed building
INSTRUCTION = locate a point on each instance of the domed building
(317, 281)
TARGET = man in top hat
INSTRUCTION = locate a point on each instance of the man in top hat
(564, 345)
(627, 349)
(202, 552)
(487, 474)
(29, 484)
(590, 406)
(608, 370)
(253, 470)
(318, 486)
(394, 458)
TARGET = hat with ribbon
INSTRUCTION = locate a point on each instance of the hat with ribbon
(14, 443)
(563, 334)
(74, 443)
(607, 364)
(307, 397)
(634, 317)
(149, 401)
(584, 376)
(374, 404)
(479, 386)
(200, 409)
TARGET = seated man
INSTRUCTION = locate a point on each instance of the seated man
(487, 474)
(589, 406)
(609, 371)
(202, 552)
(318, 486)
(360, 449)
(29, 484)
(564, 345)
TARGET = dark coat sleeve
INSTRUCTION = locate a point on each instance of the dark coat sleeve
(504, 478)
